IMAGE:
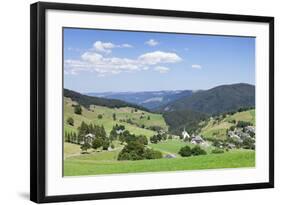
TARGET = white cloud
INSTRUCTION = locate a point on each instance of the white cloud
(106, 47)
(93, 61)
(156, 57)
(151, 42)
(196, 66)
(162, 69)
(126, 45)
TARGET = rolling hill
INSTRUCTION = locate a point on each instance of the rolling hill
(136, 121)
(217, 100)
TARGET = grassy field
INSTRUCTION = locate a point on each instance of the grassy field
(217, 129)
(92, 165)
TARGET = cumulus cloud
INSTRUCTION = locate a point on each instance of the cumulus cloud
(93, 61)
(162, 69)
(156, 57)
(106, 47)
(196, 66)
(151, 42)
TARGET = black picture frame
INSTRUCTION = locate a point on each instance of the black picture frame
(38, 101)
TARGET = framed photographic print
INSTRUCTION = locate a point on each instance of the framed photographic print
(129, 102)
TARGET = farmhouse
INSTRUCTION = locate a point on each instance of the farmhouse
(185, 134)
(88, 138)
(197, 140)
(119, 131)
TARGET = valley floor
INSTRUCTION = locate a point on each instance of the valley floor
(104, 162)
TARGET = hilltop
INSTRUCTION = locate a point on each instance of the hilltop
(217, 100)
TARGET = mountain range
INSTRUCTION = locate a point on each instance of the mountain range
(216, 100)
(148, 99)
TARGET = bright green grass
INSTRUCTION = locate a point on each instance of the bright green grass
(173, 146)
(169, 146)
(248, 116)
(86, 165)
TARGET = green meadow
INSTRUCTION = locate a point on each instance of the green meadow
(105, 162)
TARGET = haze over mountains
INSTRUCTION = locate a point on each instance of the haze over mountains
(148, 99)
(212, 101)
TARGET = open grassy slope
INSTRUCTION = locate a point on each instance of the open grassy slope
(91, 116)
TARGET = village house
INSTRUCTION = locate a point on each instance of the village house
(119, 131)
(88, 138)
(197, 140)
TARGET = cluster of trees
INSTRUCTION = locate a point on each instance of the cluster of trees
(243, 124)
(136, 149)
(78, 109)
(127, 137)
(71, 137)
(100, 140)
(179, 119)
(158, 138)
(186, 151)
(155, 128)
(114, 135)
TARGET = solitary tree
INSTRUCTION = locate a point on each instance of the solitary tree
(114, 116)
(78, 110)
(70, 121)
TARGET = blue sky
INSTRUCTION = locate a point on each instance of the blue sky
(105, 60)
